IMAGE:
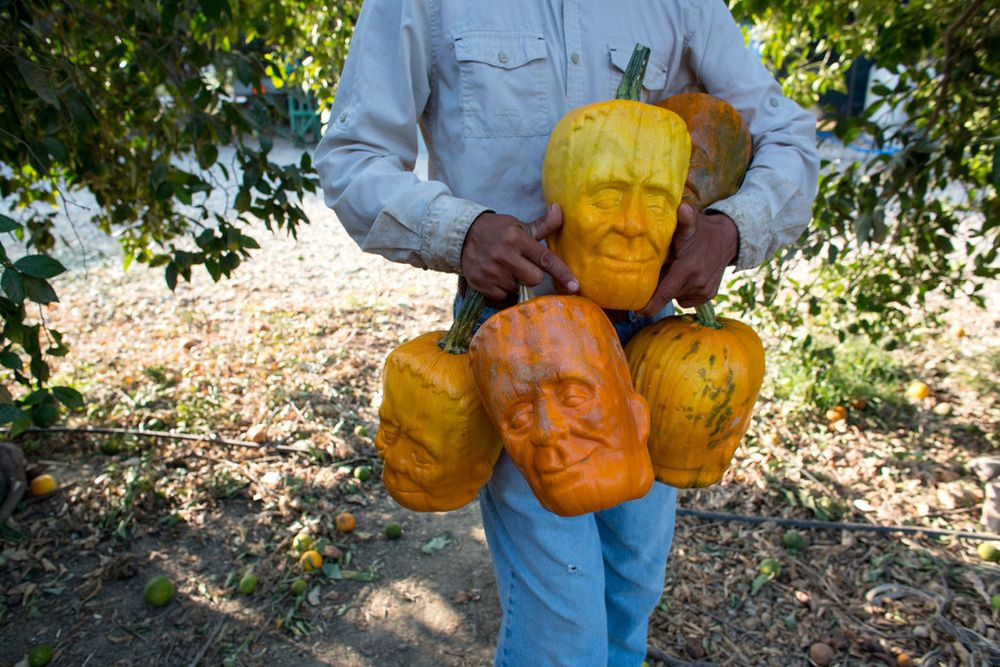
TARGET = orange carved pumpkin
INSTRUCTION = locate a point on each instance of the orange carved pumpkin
(436, 441)
(554, 380)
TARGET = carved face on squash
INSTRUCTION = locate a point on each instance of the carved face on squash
(617, 170)
(555, 382)
(436, 441)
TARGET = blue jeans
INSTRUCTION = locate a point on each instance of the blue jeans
(575, 591)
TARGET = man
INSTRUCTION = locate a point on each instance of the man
(486, 82)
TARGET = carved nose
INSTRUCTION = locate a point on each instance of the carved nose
(631, 224)
(550, 423)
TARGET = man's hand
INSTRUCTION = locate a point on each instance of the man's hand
(702, 247)
(500, 251)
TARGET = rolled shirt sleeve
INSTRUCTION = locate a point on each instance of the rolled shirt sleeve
(774, 203)
(366, 157)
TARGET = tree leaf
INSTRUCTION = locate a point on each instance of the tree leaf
(8, 224)
(39, 291)
(11, 413)
(36, 79)
(436, 544)
(69, 397)
(39, 266)
(12, 285)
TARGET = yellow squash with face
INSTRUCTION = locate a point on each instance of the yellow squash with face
(437, 443)
(617, 170)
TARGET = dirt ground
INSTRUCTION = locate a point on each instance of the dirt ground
(289, 352)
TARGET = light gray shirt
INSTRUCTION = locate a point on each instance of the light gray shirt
(486, 81)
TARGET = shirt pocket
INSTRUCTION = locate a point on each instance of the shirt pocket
(653, 81)
(503, 83)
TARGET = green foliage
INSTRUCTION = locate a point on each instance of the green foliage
(922, 216)
(130, 102)
(807, 371)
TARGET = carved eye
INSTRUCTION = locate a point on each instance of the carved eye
(575, 394)
(388, 432)
(656, 204)
(606, 198)
(520, 416)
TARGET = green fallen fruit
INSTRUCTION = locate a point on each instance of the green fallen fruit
(794, 541)
(392, 530)
(363, 473)
(302, 542)
(40, 655)
(159, 591)
(298, 586)
(248, 584)
(988, 551)
(770, 567)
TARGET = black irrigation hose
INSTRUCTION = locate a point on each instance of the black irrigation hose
(698, 514)
(170, 436)
(834, 525)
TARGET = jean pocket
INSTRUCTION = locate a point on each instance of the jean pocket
(653, 81)
(503, 83)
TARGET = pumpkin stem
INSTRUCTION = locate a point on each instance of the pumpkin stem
(631, 83)
(706, 315)
(456, 341)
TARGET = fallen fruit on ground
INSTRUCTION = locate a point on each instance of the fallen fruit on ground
(43, 484)
(363, 473)
(248, 584)
(917, 390)
(345, 522)
(393, 530)
(302, 542)
(159, 591)
(111, 446)
(311, 560)
(39, 655)
(298, 586)
(836, 413)
(995, 601)
(821, 653)
(794, 541)
(770, 567)
(988, 551)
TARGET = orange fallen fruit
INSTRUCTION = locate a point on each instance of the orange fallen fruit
(917, 390)
(311, 560)
(345, 522)
(42, 485)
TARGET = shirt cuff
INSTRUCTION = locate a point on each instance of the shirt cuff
(448, 222)
(748, 213)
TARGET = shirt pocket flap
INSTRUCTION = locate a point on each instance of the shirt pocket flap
(655, 77)
(505, 50)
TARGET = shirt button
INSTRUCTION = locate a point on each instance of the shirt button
(502, 56)
(575, 58)
(774, 102)
(343, 117)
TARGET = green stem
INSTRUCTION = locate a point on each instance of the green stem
(706, 315)
(631, 83)
(456, 341)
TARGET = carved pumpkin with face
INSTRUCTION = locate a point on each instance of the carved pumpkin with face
(616, 169)
(554, 380)
(436, 441)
